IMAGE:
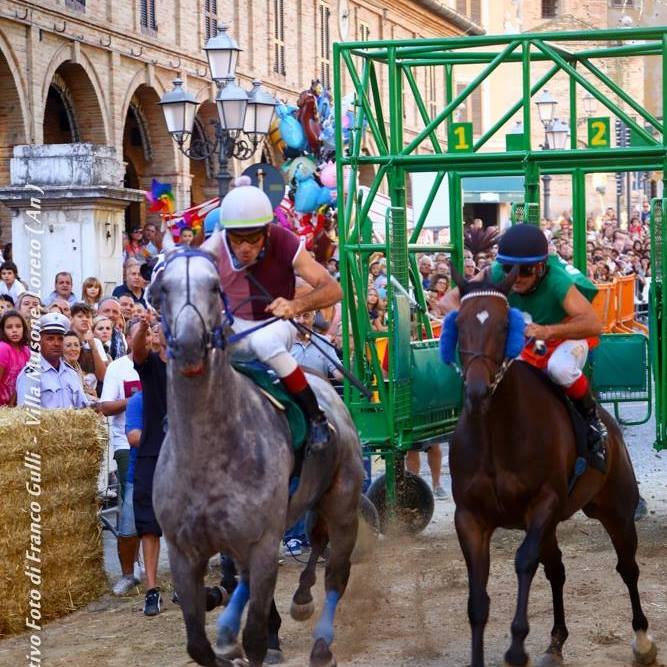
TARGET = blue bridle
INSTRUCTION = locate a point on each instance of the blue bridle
(214, 339)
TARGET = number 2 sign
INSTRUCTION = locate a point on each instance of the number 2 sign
(598, 132)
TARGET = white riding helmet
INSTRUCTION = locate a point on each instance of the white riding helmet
(245, 206)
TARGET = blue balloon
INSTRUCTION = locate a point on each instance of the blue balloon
(290, 128)
(212, 222)
(309, 196)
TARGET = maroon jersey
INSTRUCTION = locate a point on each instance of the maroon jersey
(273, 270)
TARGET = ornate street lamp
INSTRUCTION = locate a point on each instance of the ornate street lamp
(557, 134)
(244, 118)
(259, 112)
(179, 107)
(590, 104)
(222, 52)
(232, 103)
(546, 107)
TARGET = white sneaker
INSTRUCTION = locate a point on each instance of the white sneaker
(293, 548)
(124, 585)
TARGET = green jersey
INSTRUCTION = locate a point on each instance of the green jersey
(545, 304)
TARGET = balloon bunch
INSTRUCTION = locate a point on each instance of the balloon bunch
(305, 134)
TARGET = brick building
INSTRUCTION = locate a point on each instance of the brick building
(78, 72)
(636, 75)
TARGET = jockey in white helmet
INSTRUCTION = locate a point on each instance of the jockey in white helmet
(258, 265)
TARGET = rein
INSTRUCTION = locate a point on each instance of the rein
(214, 339)
(507, 362)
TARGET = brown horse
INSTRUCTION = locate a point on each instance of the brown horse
(511, 457)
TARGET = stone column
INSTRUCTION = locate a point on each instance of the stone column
(67, 204)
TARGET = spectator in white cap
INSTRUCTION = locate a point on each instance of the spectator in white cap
(58, 385)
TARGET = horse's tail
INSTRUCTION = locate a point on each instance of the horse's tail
(316, 476)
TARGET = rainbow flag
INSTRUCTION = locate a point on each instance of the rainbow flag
(161, 198)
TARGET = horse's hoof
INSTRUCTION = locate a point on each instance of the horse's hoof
(274, 657)
(302, 612)
(644, 649)
(229, 652)
(528, 664)
(550, 660)
(321, 655)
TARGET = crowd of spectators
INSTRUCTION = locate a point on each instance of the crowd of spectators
(92, 333)
(612, 250)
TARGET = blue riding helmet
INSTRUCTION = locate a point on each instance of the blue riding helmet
(212, 222)
(523, 244)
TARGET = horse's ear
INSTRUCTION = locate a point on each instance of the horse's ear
(168, 242)
(506, 285)
(213, 244)
(458, 279)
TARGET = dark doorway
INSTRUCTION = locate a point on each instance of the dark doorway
(59, 124)
(487, 212)
(133, 211)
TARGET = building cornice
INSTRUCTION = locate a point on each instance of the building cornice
(460, 21)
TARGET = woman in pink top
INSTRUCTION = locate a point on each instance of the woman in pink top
(14, 354)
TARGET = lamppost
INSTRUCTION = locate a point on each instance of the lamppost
(244, 117)
(590, 104)
(555, 137)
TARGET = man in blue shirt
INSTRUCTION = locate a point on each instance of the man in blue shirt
(307, 355)
(49, 382)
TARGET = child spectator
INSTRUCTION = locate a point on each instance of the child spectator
(14, 354)
(375, 310)
(91, 292)
(187, 236)
(6, 303)
(9, 282)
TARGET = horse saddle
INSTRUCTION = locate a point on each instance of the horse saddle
(262, 376)
(579, 425)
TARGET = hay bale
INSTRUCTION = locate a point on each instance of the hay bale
(63, 537)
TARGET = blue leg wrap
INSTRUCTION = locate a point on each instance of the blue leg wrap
(324, 629)
(229, 621)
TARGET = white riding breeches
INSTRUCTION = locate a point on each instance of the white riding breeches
(270, 344)
(567, 362)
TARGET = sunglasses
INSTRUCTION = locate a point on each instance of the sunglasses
(245, 237)
(524, 269)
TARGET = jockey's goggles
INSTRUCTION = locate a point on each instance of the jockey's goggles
(245, 237)
(525, 270)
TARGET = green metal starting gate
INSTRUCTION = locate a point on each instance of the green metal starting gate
(415, 397)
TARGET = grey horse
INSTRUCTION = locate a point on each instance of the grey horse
(221, 481)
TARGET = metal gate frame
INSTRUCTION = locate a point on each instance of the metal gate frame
(386, 425)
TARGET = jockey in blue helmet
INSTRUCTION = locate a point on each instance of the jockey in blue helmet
(557, 298)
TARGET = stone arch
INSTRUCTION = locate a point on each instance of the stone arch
(148, 149)
(14, 125)
(72, 87)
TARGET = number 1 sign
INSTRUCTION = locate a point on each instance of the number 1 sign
(459, 138)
